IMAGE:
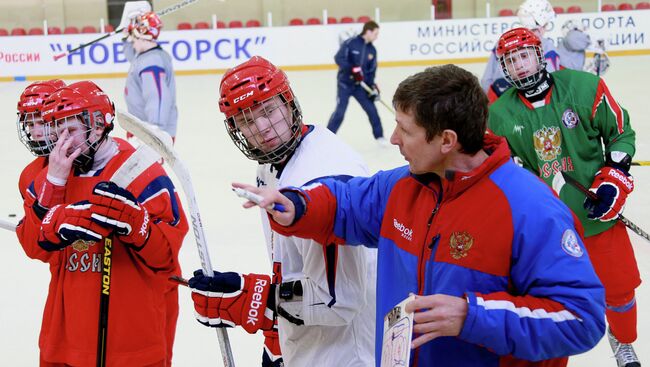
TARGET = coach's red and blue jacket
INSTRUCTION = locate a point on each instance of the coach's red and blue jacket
(497, 236)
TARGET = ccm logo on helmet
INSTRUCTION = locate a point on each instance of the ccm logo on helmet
(242, 97)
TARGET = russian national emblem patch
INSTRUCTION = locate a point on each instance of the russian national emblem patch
(460, 243)
(570, 243)
(548, 143)
(570, 119)
(81, 245)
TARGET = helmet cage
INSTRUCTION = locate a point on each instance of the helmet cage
(146, 26)
(249, 139)
(523, 57)
(88, 147)
(26, 123)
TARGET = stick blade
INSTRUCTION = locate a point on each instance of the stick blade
(135, 165)
(150, 134)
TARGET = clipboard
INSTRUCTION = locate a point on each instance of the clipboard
(398, 332)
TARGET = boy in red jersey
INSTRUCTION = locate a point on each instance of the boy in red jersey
(70, 209)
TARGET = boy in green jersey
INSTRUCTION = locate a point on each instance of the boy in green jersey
(568, 121)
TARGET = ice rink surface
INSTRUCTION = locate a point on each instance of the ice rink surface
(234, 235)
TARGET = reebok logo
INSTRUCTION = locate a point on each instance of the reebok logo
(145, 223)
(621, 178)
(50, 214)
(242, 97)
(407, 233)
(256, 302)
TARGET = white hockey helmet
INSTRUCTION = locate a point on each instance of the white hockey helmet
(572, 25)
(535, 14)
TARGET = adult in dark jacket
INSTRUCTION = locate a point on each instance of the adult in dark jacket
(357, 61)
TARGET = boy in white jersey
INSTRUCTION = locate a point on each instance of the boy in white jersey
(325, 296)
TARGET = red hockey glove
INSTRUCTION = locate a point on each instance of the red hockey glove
(612, 186)
(230, 299)
(357, 74)
(65, 224)
(117, 209)
(271, 355)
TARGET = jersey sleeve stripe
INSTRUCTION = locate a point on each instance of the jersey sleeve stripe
(603, 94)
(523, 311)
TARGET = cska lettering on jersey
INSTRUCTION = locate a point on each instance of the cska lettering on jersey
(548, 146)
(548, 169)
(82, 260)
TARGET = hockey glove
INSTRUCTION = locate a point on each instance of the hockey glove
(612, 186)
(271, 355)
(230, 299)
(357, 74)
(65, 224)
(117, 209)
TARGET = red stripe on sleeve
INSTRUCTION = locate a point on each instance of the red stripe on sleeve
(318, 221)
(603, 93)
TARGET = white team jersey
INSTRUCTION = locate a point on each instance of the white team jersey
(338, 331)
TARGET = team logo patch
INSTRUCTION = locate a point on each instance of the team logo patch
(570, 119)
(548, 143)
(570, 243)
(81, 245)
(460, 243)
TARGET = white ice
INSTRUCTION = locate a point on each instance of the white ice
(234, 235)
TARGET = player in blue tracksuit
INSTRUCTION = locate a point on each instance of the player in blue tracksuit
(495, 258)
(357, 61)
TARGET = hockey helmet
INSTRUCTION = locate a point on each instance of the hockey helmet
(521, 56)
(263, 117)
(30, 121)
(84, 101)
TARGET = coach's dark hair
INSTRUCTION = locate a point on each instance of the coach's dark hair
(370, 25)
(446, 97)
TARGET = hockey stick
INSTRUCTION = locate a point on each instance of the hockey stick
(8, 225)
(161, 142)
(641, 163)
(161, 13)
(133, 167)
(370, 91)
(573, 182)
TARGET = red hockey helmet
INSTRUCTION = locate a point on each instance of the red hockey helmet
(87, 102)
(263, 117)
(521, 56)
(29, 120)
(146, 26)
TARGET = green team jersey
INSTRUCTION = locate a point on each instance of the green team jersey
(571, 130)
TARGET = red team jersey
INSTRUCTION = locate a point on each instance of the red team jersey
(136, 326)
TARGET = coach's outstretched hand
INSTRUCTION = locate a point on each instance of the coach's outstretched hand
(270, 197)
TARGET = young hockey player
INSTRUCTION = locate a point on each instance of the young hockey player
(150, 90)
(535, 15)
(69, 210)
(568, 121)
(31, 128)
(323, 297)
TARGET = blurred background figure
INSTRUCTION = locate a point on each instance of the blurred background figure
(573, 45)
(150, 90)
(357, 61)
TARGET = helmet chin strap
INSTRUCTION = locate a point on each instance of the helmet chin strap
(539, 90)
